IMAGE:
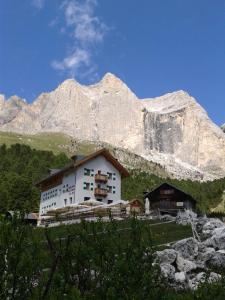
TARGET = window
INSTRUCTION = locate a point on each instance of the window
(86, 186)
(87, 172)
(109, 175)
(65, 201)
(109, 187)
(98, 199)
(99, 171)
(86, 198)
(71, 200)
(110, 201)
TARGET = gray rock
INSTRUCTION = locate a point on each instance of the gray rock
(206, 254)
(216, 241)
(168, 271)
(185, 217)
(185, 265)
(167, 256)
(180, 277)
(187, 248)
(214, 277)
(201, 278)
(167, 218)
(218, 259)
(209, 227)
(194, 283)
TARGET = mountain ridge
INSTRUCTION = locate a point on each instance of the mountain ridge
(172, 130)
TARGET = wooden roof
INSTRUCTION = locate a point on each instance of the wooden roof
(169, 185)
(104, 152)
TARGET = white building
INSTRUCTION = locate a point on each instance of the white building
(97, 176)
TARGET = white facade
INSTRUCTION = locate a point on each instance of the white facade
(80, 184)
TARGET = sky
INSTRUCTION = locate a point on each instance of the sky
(154, 46)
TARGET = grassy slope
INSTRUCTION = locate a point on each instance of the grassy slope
(55, 142)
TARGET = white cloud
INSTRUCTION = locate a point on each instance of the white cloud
(73, 61)
(39, 4)
(86, 30)
(86, 26)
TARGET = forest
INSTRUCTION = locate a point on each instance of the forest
(21, 167)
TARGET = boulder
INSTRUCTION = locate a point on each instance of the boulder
(185, 217)
(218, 259)
(168, 271)
(187, 248)
(210, 226)
(205, 255)
(202, 277)
(185, 265)
(167, 256)
(214, 277)
(180, 277)
(194, 283)
(216, 241)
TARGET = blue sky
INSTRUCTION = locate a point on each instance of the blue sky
(155, 46)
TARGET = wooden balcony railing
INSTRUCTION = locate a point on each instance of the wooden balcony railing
(101, 192)
(101, 178)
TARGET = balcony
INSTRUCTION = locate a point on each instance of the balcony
(101, 178)
(101, 192)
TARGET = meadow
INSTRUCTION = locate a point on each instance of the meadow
(89, 260)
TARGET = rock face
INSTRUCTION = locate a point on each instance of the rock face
(10, 109)
(172, 130)
(223, 127)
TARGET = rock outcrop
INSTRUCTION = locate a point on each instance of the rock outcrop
(172, 130)
(190, 262)
(10, 109)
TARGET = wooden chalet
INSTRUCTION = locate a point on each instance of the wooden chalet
(167, 198)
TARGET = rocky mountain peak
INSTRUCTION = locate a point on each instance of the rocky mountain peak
(170, 102)
(68, 84)
(16, 101)
(172, 130)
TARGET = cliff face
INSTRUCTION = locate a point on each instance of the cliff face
(9, 109)
(172, 130)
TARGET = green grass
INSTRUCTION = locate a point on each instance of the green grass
(160, 234)
(55, 142)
